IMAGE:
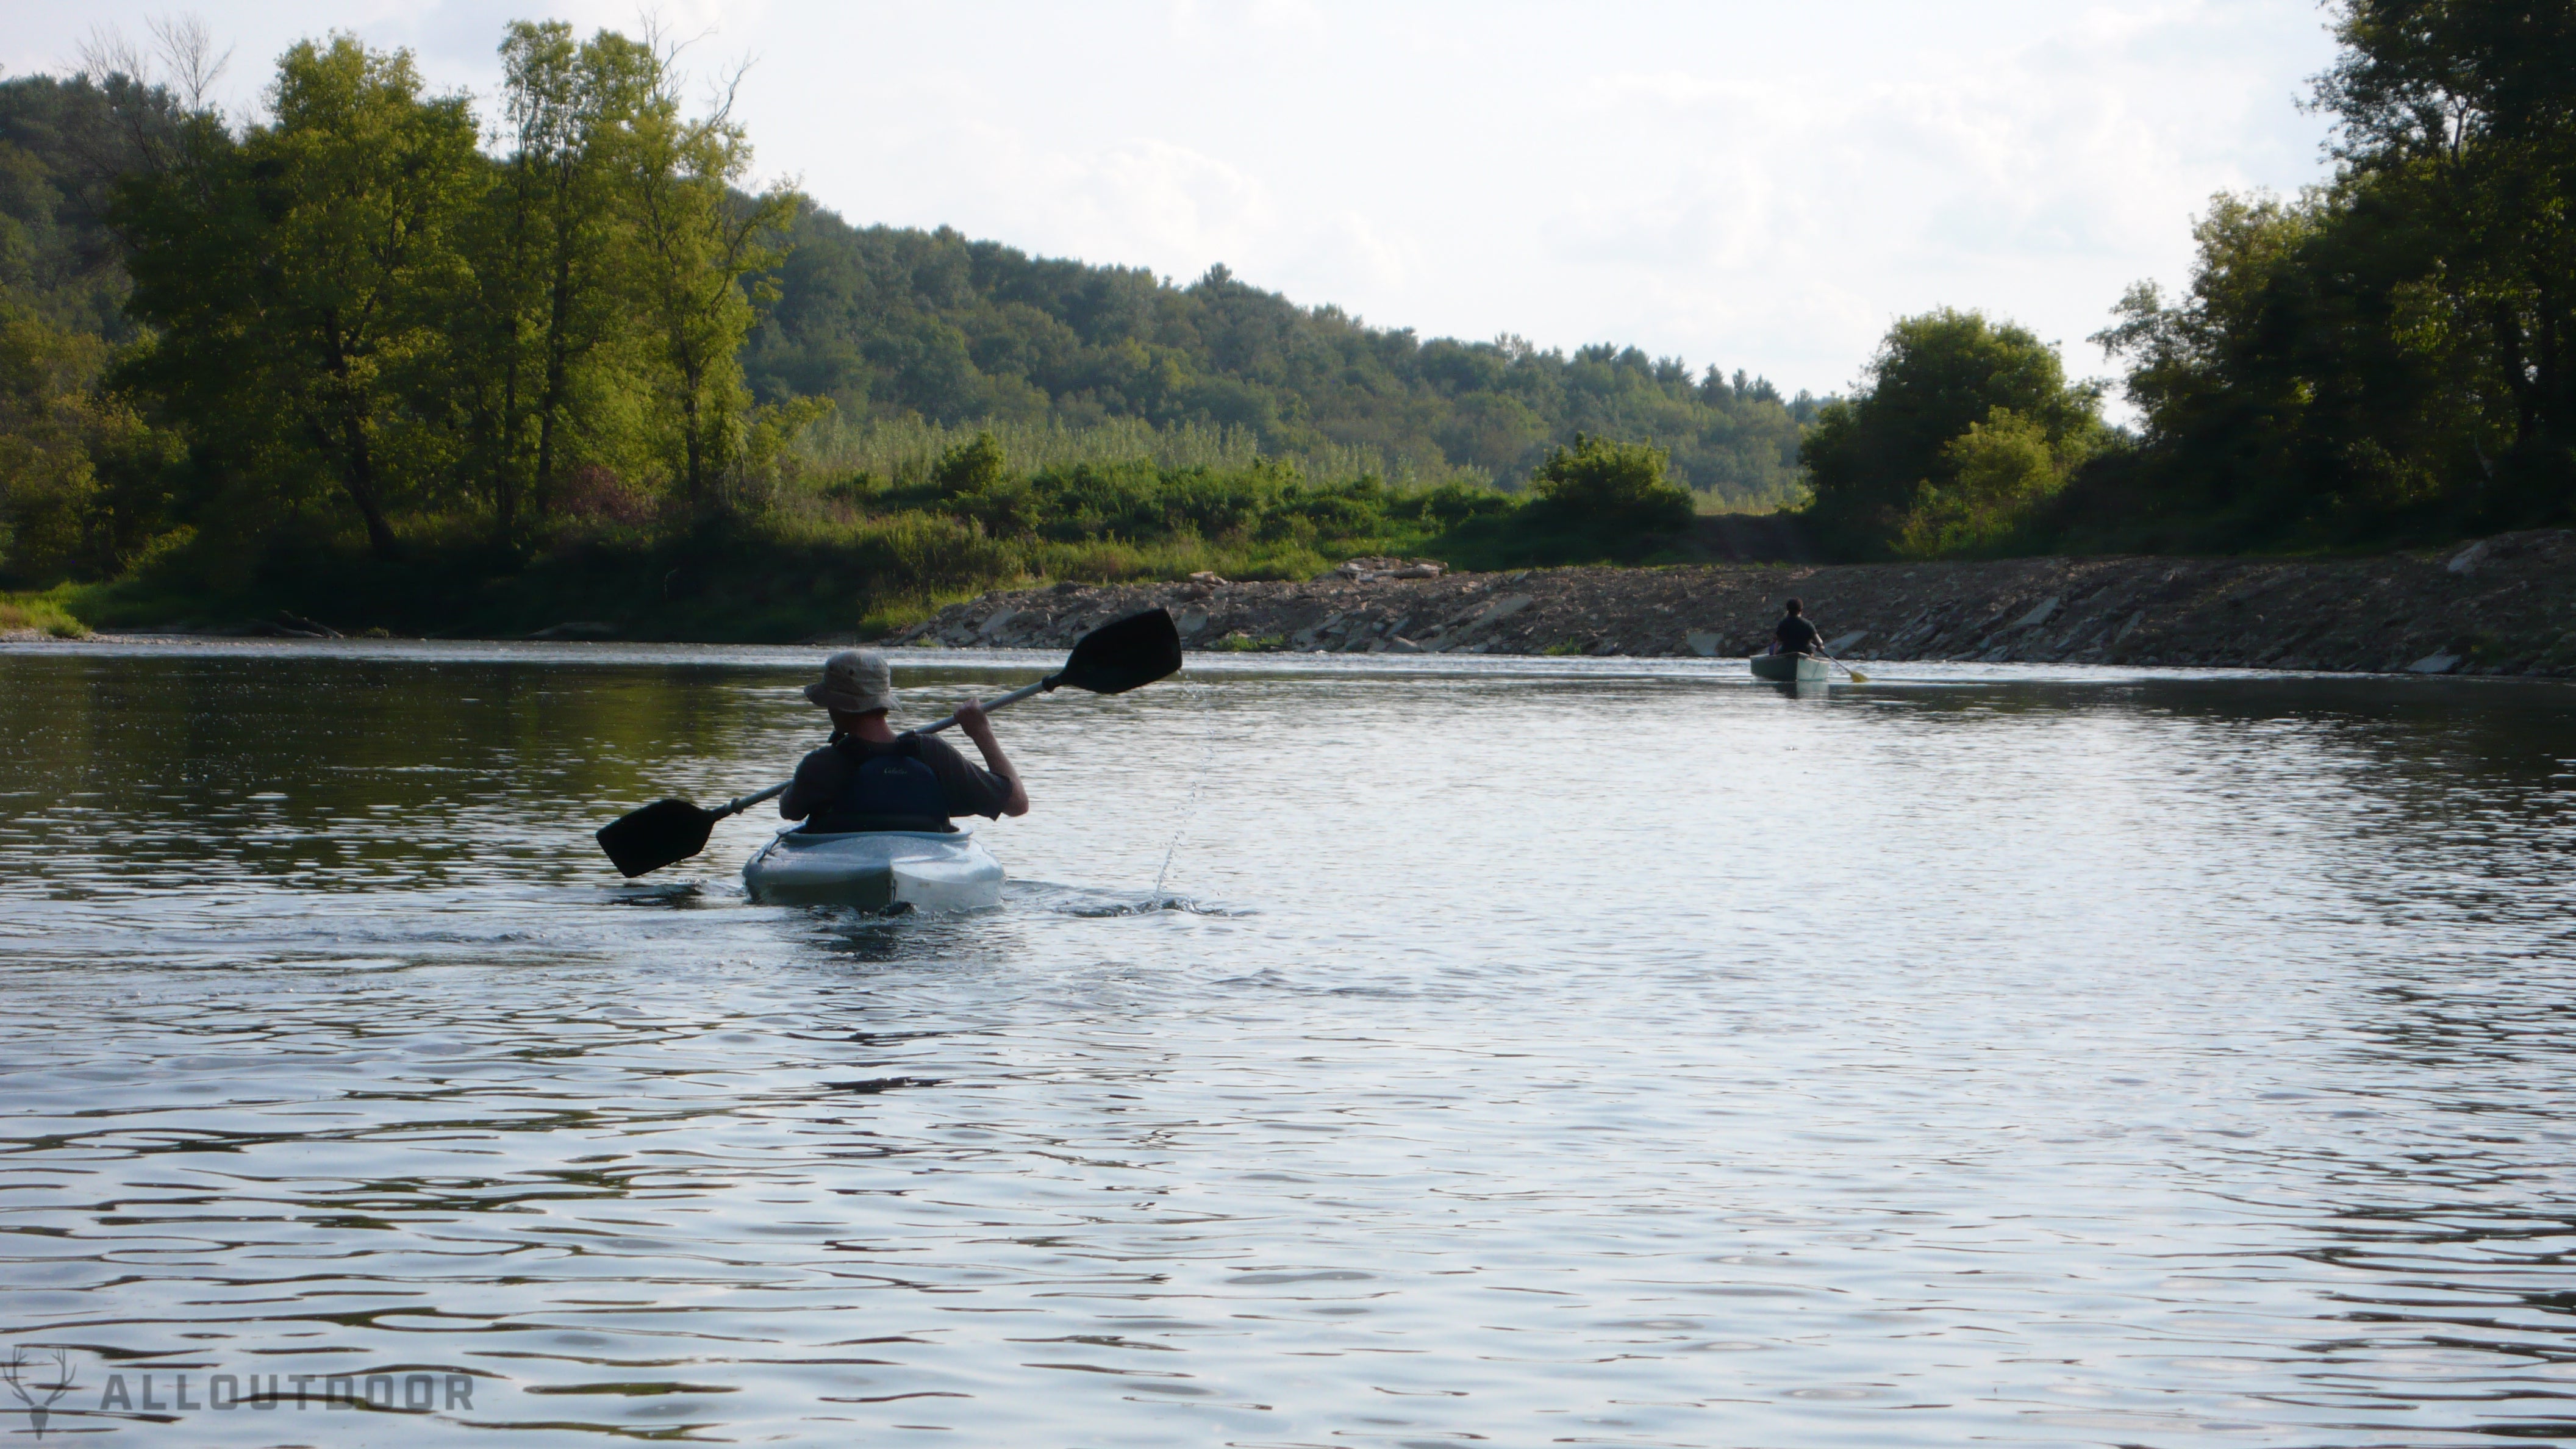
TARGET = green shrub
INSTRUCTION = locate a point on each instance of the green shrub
(45, 613)
(1999, 470)
(973, 466)
(855, 490)
(1454, 503)
(1613, 484)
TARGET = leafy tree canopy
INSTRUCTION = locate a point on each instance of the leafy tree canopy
(890, 322)
(2390, 356)
(1911, 425)
(1622, 484)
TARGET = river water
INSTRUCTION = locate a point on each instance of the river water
(1516, 1052)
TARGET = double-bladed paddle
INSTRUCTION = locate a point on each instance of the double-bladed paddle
(1112, 659)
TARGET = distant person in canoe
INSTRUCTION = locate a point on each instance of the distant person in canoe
(871, 778)
(1794, 634)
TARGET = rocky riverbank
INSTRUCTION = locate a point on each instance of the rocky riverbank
(2504, 605)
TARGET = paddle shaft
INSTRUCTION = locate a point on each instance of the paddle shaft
(1857, 676)
(736, 807)
(990, 705)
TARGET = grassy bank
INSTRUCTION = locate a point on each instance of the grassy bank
(50, 613)
(840, 549)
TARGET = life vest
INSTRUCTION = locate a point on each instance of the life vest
(890, 788)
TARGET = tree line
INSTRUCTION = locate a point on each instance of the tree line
(2386, 358)
(354, 291)
(353, 309)
(377, 320)
(891, 321)
(382, 316)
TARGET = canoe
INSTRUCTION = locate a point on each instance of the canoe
(876, 870)
(1790, 668)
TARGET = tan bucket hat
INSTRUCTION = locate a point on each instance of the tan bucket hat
(854, 681)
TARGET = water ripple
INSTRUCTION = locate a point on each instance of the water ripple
(1540, 1052)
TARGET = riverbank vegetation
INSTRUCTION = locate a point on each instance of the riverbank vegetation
(1961, 428)
(2386, 359)
(890, 323)
(379, 358)
(49, 614)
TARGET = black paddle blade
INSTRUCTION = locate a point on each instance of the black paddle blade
(660, 834)
(1127, 654)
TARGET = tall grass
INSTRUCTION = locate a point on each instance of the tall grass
(823, 551)
(902, 451)
(45, 613)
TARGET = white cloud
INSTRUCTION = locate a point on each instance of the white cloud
(1764, 187)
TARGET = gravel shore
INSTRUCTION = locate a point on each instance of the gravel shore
(2504, 605)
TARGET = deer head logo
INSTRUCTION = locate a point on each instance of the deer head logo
(26, 1376)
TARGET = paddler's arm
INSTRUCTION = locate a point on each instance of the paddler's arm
(979, 728)
(816, 781)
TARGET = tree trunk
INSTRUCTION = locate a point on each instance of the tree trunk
(693, 438)
(357, 462)
(558, 369)
(358, 480)
(505, 488)
(2549, 381)
(2526, 400)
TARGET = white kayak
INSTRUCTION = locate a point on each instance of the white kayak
(1790, 668)
(876, 870)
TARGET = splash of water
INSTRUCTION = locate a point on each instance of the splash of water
(1189, 807)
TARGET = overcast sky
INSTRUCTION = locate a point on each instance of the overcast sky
(1763, 187)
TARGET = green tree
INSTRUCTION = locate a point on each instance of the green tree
(2470, 105)
(305, 278)
(2000, 470)
(1934, 378)
(702, 253)
(83, 479)
(1620, 485)
(555, 328)
(973, 466)
(889, 322)
(2385, 356)
(62, 144)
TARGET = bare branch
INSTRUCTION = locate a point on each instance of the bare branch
(107, 52)
(721, 92)
(188, 49)
(656, 35)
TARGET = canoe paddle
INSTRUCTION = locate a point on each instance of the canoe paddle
(1112, 659)
(1857, 676)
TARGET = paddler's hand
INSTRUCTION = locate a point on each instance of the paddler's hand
(979, 727)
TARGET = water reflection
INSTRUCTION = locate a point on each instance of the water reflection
(1544, 1052)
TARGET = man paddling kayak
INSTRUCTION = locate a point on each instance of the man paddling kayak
(871, 778)
(1794, 634)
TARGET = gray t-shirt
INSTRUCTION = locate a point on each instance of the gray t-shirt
(967, 788)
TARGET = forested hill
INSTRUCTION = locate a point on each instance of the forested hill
(888, 321)
(60, 149)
